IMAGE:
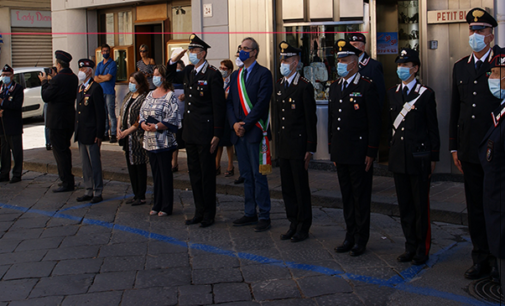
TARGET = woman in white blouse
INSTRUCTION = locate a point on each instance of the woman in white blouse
(159, 118)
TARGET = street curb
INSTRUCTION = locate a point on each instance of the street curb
(378, 205)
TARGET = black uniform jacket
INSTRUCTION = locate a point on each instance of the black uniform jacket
(418, 131)
(12, 105)
(90, 114)
(471, 104)
(60, 93)
(205, 104)
(373, 69)
(354, 121)
(296, 118)
(492, 159)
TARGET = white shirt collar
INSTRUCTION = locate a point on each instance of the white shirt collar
(483, 59)
(86, 84)
(349, 80)
(200, 67)
(290, 80)
(361, 57)
(410, 85)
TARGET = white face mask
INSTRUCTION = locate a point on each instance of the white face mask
(81, 76)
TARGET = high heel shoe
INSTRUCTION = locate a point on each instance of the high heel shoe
(229, 173)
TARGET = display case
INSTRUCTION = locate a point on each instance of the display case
(318, 61)
(124, 57)
(408, 24)
(177, 46)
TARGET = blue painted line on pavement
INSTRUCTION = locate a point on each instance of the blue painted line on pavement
(398, 285)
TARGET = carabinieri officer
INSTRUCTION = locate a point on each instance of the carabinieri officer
(415, 145)
(204, 115)
(354, 123)
(471, 104)
(492, 159)
(297, 140)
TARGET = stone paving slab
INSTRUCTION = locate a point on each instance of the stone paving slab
(448, 199)
(137, 259)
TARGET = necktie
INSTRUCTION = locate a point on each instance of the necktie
(405, 93)
(245, 74)
(344, 85)
(82, 87)
(479, 64)
(286, 84)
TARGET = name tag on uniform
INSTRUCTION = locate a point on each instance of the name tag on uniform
(202, 82)
(355, 94)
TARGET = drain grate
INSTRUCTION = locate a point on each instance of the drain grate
(486, 290)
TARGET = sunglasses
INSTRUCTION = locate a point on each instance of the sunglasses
(143, 51)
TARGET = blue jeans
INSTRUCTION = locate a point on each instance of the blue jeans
(255, 184)
(46, 130)
(110, 113)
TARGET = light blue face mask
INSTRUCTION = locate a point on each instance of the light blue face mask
(132, 87)
(342, 69)
(495, 88)
(6, 80)
(403, 73)
(476, 42)
(157, 81)
(285, 69)
(193, 58)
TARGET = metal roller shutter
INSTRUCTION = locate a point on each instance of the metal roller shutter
(32, 49)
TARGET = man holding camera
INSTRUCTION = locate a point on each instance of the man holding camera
(11, 127)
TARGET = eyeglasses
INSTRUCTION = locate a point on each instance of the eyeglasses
(143, 51)
(247, 49)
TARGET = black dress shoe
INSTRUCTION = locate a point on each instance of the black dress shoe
(240, 180)
(263, 225)
(84, 198)
(96, 200)
(131, 201)
(139, 202)
(15, 179)
(207, 223)
(63, 189)
(476, 271)
(406, 257)
(344, 247)
(357, 250)
(299, 237)
(290, 233)
(113, 139)
(420, 259)
(193, 221)
(245, 221)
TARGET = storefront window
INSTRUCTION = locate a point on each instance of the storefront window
(125, 26)
(318, 57)
(109, 29)
(408, 24)
(181, 22)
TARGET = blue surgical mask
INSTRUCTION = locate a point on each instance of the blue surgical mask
(6, 80)
(193, 58)
(243, 55)
(132, 87)
(157, 81)
(106, 55)
(285, 69)
(403, 73)
(342, 70)
(495, 88)
(476, 42)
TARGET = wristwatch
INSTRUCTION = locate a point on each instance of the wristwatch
(156, 126)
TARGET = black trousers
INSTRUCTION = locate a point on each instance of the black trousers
(356, 188)
(296, 193)
(11, 145)
(161, 167)
(474, 192)
(414, 204)
(138, 178)
(60, 140)
(202, 175)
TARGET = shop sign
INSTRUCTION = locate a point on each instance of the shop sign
(447, 16)
(387, 43)
(30, 19)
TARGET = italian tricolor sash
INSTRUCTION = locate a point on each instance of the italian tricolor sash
(264, 161)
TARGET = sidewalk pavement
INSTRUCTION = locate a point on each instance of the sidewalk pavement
(447, 199)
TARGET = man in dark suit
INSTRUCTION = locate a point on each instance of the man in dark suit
(471, 104)
(368, 66)
(296, 128)
(414, 150)
(11, 128)
(89, 130)
(353, 134)
(248, 114)
(60, 92)
(492, 155)
(204, 115)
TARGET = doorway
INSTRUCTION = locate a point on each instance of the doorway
(150, 35)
